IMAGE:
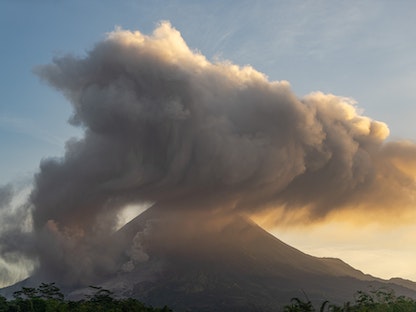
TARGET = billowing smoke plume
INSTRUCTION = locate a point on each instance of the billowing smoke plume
(163, 124)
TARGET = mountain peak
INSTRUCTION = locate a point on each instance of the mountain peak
(209, 261)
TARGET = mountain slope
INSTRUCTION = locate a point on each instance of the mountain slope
(206, 262)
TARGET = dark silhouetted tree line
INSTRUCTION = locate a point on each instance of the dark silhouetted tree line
(49, 298)
(379, 300)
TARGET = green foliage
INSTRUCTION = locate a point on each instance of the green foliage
(49, 298)
(379, 300)
(298, 305)
(50, 292)
(3, 304)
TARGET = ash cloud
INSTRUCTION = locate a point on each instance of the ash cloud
(163, 124)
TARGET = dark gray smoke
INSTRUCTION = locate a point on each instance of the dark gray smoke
(163, 124)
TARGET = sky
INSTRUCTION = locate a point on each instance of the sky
(362, 50)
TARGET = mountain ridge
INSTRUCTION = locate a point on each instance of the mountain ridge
(202, 261)
(240, 264)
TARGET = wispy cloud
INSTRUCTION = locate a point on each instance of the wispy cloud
(28, 127)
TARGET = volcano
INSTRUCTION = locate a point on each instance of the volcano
(210, 143)
(204, 261)
(208, 260)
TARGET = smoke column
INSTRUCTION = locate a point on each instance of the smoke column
(163, 124)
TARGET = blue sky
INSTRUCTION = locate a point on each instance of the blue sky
(359, 49)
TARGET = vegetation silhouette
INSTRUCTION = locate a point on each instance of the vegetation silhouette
(375, 300)
(49, 298)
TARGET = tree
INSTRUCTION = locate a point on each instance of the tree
(50, 291)
(4, 307)
(298, 305)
